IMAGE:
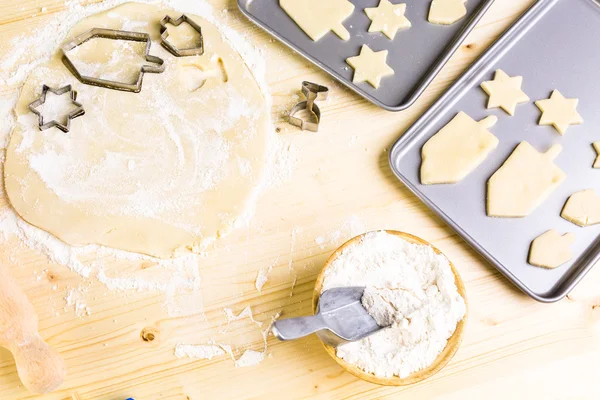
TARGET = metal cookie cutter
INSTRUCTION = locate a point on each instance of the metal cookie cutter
(115, 35)
(313, 92)
(164, 34)
(42, 99)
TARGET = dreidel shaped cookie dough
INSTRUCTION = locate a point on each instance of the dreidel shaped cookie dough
(550, 249)
(457, 149)
(317, 17)
(446, 12)
(523, 182)
(582, 208)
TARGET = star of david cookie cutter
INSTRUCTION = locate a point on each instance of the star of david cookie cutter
(164, 34)
(114, 35)
(54, 123)
(313, 92)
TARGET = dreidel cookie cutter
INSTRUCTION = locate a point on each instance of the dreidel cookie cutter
(164, 34)
(313, 92)
(115, 35)
(42, 99)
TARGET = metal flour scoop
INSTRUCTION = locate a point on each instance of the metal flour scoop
(340, 315)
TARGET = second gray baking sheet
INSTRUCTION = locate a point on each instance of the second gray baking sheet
(416, 54)
(555, 45)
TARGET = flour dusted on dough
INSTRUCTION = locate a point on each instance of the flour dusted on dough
(408, 286)
(160, 172)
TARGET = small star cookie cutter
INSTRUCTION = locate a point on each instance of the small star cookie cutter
(115, 35)
(164, 34)
(54, 123)
(313, 92)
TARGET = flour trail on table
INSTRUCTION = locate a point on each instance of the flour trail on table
(198, 351)
(351, 227)
(77, 299)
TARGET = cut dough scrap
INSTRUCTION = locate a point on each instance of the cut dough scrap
(317, 17)
(446, 12)
(559, 112)
(457, 149)
(597, 148)
(505, 92)
(165, 170)
(388, 18)
(551, 250)
(582, 208)
(370, 66)
(523, 182)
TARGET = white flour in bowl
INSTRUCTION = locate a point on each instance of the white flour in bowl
(408, 287)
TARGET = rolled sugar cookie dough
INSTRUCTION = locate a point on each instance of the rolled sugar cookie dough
(370, 66)
(551, 250)
(388, 18)
(582, 208)
(165, 170)
(596, 146)
(559, 112)
(457, 149)
(446, 12)
(505, 92)
(523, 182)
(317, 17)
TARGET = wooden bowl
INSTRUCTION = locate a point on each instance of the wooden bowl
(442, 359)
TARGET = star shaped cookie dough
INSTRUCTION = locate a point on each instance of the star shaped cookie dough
(370, 66)
(505, 92)
(388, 18)
(559, 112)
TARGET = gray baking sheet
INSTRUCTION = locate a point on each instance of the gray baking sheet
(555, 45)
(416, 54)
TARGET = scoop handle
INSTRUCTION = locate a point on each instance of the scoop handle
(296, 328)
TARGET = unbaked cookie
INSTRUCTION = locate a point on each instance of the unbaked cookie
(582, 208)
(388, 18)
(559, 112)
(550, 249)
(446, 12)
(523, 182)
(505, 92)
(457, 149)
(317, 17)
(370, 66)
(597, 148)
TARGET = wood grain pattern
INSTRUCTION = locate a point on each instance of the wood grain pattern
(441, 360)
(513, 347)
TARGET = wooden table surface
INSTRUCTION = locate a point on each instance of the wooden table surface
(340, 185)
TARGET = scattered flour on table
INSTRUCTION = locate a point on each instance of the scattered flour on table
(76, 298)
(198, 351)
(349, 228)
(250, 358)
(208, 351)
(261, 278)
(408, 287)
(246, 313)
